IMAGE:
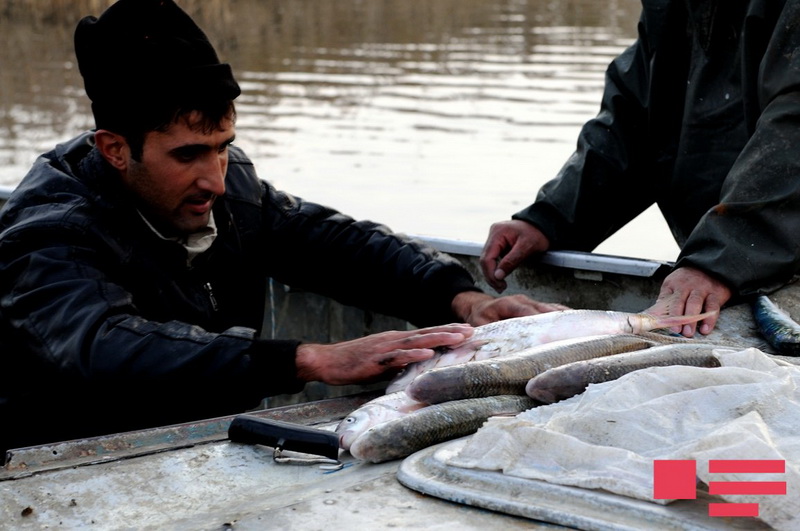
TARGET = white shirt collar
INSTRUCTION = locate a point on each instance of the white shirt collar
(195, 243)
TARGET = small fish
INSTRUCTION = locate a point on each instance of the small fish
(508, 375)
(513, 335)
(777, 327)
(572, 379)
(376, 411)
(431, 425)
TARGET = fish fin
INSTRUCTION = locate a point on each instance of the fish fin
(668, 321)
(665, 332)
(471, 345)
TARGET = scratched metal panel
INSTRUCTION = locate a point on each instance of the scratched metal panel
(200, 481)
(27, 461)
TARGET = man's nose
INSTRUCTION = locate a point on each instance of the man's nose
(213, 177)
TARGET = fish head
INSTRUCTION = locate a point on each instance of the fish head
(552, 386)
(363, 448)
(360, 420)
(351, 427)
(545, 396)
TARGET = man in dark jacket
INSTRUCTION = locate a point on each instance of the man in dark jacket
(134, 259)
(701, 115)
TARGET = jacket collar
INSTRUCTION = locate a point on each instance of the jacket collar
(702, 18)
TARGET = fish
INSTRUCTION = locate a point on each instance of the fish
(508, 375)
(672, 338)
(777, 327)
(431, 425)
(520, 333)
(572, 379)
(376, 411)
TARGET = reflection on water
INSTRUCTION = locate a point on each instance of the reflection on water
(436, 117)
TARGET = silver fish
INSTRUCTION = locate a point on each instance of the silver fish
(572, 379)
(521, 333)
(376, 411)
(508, 375)
(431, 425)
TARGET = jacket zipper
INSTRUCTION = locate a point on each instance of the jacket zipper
(210, 292)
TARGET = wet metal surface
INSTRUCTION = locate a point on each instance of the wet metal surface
(220, 485)
(28, 461)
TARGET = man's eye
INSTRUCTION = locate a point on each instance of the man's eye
(187, 155)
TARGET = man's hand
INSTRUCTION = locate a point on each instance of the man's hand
(509, 243)
(478, 308)
(689, 291)
(370, 358)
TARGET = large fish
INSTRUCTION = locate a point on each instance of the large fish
(377, 411)
(572, 379)
(431, 425)
(521, 333)
(508, 375)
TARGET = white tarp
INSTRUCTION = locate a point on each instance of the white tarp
(608, 437)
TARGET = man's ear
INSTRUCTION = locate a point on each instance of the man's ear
(113, 147)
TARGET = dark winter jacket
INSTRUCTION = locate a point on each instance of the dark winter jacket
(104, 327)
(701, 115)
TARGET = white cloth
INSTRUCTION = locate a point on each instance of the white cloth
(608, 437)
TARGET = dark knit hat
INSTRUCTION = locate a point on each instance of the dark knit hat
(148, 52)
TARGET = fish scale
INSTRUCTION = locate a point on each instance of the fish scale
(508, 375)
(566, 381)
(431, 425)
(513, 335)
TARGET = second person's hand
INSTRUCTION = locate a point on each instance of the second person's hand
(508, 245)
(690, 291)
(479, 308)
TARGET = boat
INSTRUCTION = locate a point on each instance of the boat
(193, 476)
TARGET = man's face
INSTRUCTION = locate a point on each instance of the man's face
(181, 173)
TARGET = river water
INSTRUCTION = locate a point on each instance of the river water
(436, 117)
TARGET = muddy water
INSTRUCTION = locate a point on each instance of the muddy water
(435, 117)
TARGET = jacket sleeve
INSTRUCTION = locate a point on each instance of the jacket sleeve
(751, 238)
(600, 188)
(359, 263)
(74, 323)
